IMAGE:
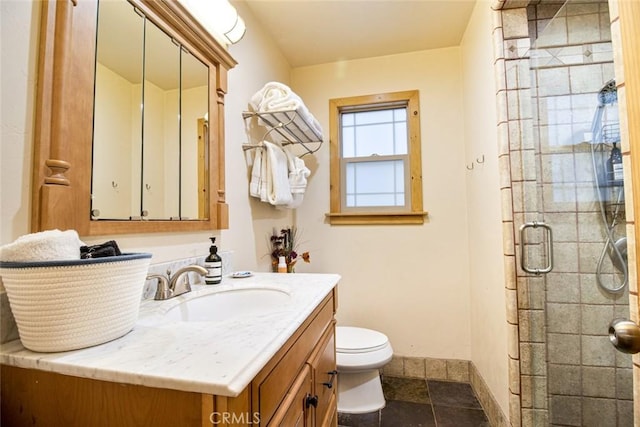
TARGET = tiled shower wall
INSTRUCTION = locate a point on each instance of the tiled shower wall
(563, 370)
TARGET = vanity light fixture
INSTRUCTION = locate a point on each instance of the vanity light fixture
(218, 17)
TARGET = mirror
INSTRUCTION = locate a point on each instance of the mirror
(117, 137)
(150, 110)
(151, 159)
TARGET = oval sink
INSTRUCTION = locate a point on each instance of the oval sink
(227, 304)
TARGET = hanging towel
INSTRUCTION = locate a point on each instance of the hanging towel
(275, 96)
(50, 245)
(256, 184)
(277, 175)
(298, 174)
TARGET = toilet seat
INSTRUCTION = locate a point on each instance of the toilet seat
(359, 349)
(350, 339)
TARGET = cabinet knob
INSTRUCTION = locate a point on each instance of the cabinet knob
(333, 376)
(311, 401)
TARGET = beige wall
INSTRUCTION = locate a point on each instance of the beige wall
(18, 30)
(250, 223)
(488, 312)
(410, 282)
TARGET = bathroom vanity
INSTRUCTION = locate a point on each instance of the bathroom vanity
(262, 368)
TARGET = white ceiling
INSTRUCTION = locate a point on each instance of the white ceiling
(311, 32)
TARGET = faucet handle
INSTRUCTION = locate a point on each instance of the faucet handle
(162, 291)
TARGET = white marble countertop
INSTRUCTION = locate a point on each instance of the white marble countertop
(219, 357)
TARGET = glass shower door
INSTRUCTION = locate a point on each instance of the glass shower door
(572, 183)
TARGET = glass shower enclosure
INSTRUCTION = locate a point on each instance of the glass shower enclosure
(569, 198)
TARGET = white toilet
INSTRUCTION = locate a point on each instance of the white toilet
(360, 353)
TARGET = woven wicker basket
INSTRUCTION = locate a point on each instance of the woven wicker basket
(66, 305)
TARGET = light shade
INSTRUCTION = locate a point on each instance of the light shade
(237, 31)
(218, 17)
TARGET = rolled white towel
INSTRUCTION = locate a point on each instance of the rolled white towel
(275, 96)
(50, 245)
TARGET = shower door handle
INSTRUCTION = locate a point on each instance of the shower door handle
(549, 246)
(625, 336)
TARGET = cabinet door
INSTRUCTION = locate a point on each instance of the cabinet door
(295, 408)
(325, 381)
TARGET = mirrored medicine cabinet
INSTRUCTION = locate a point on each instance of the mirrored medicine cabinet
(129, 119)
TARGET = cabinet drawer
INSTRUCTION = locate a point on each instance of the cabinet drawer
(273, 387)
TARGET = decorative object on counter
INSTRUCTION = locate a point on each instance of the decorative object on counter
(241, 274)
(46, 245)
(213, 264)
(105, 249)
(70, 304)
(282, 265)
(285, 245)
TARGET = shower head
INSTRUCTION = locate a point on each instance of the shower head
(608, 94)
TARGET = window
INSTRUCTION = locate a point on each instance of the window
(376, 172)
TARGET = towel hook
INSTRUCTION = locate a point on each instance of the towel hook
(480, 161)
(114, 184)
(470, 168)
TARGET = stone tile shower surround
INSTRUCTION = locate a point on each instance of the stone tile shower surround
(545, 105)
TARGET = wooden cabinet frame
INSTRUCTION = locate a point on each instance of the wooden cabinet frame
(61, 181)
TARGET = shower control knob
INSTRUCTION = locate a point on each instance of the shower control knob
(625, 335)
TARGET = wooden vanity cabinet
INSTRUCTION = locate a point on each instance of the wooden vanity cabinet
(299, 381)
(296, 387)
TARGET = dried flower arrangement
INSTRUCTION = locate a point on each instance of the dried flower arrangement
(285, 244)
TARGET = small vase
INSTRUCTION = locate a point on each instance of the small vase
(291, 268)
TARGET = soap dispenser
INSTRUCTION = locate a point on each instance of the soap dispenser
(213, 264)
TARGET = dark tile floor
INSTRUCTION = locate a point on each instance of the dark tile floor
(422, 403)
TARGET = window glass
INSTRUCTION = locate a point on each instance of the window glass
(376, 183)
(374, 139)
(378, 132)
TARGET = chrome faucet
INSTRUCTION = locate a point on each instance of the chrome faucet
(172, 287)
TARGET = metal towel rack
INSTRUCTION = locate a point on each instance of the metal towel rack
(286, 127)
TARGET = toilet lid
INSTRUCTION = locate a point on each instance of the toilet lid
(350, 339)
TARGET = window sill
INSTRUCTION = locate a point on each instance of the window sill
(386, 218)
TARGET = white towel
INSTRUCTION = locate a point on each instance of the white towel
(50, 245)
(256, 183)
(275, 96)
(298, 174)
(277, 175)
